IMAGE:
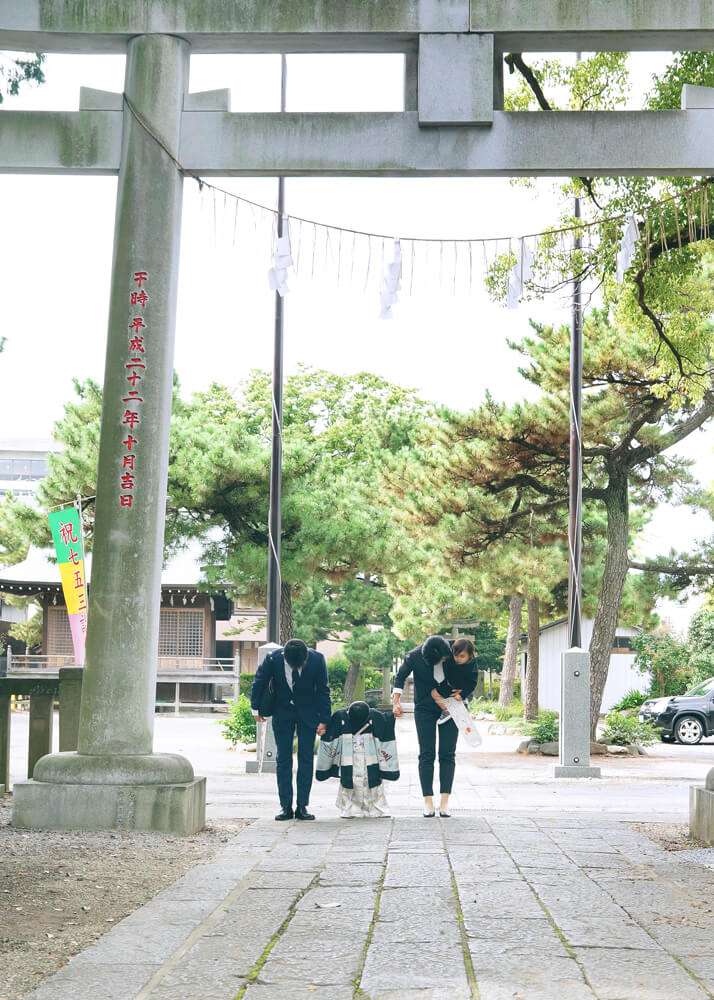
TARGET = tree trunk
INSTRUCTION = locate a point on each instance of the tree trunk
(480, 691)
(611, 586)
(530, 699)
(354, 684)
(286, 612)
(510, 656)
(387, 684)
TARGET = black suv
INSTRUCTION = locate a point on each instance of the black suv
(686, 718)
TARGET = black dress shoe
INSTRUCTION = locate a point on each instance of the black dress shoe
(284, 814)
(302, 813)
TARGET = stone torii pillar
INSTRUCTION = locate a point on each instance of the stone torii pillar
(114, 780)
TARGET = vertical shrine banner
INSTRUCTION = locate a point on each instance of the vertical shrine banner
(66, 529)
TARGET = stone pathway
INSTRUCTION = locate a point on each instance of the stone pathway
(496, 907)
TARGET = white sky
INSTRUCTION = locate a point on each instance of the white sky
(57, 242)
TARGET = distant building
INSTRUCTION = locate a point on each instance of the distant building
(189, 670)
(23, 465)
(246, 632)
(622, 677)
(10, 616)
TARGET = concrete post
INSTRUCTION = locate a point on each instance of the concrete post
(575, 717)
(114, 780)
(701, 811)
(41, 727)
(5, 718)
(70, 696)
(265, 751)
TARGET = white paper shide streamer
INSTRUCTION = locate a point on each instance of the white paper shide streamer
(282, 262)
(520, 273)
(392, 282)
(630, 236)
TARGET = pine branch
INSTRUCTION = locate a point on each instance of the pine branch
(678, 433)
(673, 568)
(515, 61)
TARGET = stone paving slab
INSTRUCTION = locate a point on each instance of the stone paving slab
(327, 962)
(351, 874)
(414, 966)
(116, 981)
(620, 974)
(413, 909)
(209, 980)
(295, 992)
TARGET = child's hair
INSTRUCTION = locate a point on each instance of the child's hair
(464, 646)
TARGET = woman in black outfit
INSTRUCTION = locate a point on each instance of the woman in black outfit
(440, 671)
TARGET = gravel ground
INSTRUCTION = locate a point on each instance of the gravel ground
(670, 836)
(60, 891)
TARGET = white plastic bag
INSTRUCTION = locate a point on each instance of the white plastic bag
(466, 725)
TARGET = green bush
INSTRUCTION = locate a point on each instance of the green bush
(478, 705)
(239, 726)
(246, 683)
(507, 713)
(373, 679)
(622, 730)
(337, 668)
(545, 729)
(633, 699)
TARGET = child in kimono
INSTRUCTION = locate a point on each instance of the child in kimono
(359, 748)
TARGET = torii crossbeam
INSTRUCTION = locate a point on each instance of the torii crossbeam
(155, 134)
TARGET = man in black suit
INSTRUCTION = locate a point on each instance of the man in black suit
(302, 703)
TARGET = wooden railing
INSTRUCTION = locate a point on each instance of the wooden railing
(31, 663)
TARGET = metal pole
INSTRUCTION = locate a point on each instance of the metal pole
(576, 471)
(576, 453)
(276, 461)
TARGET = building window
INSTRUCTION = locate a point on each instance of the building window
(59, 635)
(623, 644)
(181, 632)
(23, 468)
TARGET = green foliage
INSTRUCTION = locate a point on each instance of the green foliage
(544, 729)
(373, 648)
(239, 726)
(490, 645)
(624, 730)
(631, 700)
(483, 706)
(16, 70)
(507, 713)
(337, 667)
(372, 679)
(17, 526)
(337, 432)
(245, 684)
(700, 640)
(597, 83)
(28, 632)
(666, 659)
(685, 67)
(339, 539)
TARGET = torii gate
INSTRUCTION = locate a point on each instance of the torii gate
(154, 134)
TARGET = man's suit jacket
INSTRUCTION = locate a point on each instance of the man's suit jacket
(310, 699)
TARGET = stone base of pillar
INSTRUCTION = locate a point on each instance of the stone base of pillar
(176, 809)
(71, 791)
(701, 811)
(575, 771)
